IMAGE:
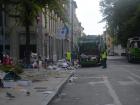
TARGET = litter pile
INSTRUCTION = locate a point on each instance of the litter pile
(61, 65)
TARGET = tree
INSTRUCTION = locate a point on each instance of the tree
(26, 12)
(122, 18)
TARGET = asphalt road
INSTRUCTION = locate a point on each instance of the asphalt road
(119, 84)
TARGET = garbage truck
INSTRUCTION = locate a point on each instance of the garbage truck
(133, 49)
(89, 49)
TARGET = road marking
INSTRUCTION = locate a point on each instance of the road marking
(131, 82)
(126, 83)
(109, 104)
(112, 92)
(94, 83)
(133, 74)
(90, 77)
(134, 80)
(137, 76)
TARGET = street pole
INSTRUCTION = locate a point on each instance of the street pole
(72, 33)
(3, 27)
(72, 26)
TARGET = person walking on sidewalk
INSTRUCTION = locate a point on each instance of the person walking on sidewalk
(104, 59)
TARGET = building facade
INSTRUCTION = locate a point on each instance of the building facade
(50, 36)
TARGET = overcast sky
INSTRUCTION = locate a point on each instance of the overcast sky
(88, 13)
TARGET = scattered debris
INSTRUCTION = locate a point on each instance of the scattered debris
(9, 95)
(28, 93)
(62, 65)
(2, 74)
(72, 79)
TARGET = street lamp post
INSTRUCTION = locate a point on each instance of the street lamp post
(72, 25)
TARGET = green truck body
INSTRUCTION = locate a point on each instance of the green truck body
(133, 49)
(89, 48)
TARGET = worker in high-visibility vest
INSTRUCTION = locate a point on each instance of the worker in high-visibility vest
(104, 58)
(68, 56)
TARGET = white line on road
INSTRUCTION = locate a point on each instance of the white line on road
(90, 77)
(110, 89)
(94, 83)
(135, 81)
(112, 92)
(131, 82)
(137, 76)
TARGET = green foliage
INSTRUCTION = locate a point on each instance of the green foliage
(6, 68)
(123, 18)
(28, 10)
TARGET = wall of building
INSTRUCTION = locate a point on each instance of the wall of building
(45, 34)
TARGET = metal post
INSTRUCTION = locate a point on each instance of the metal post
(62, 49)
(72, 34)
(72, 26)
(3, 27)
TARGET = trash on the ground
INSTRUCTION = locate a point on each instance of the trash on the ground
(9, 95)
(61, 65)
(25, 91)
(50, 67)
(2, 74)
(11, 76)
(58, 68)
(53, 67)
(28, 93)
(72, 79)
(64, 64)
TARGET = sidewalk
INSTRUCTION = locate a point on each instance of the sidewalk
(45, 86)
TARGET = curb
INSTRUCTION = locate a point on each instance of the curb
(58, 89)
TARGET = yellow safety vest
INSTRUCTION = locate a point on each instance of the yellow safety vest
(104, 55)
(68, 56)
